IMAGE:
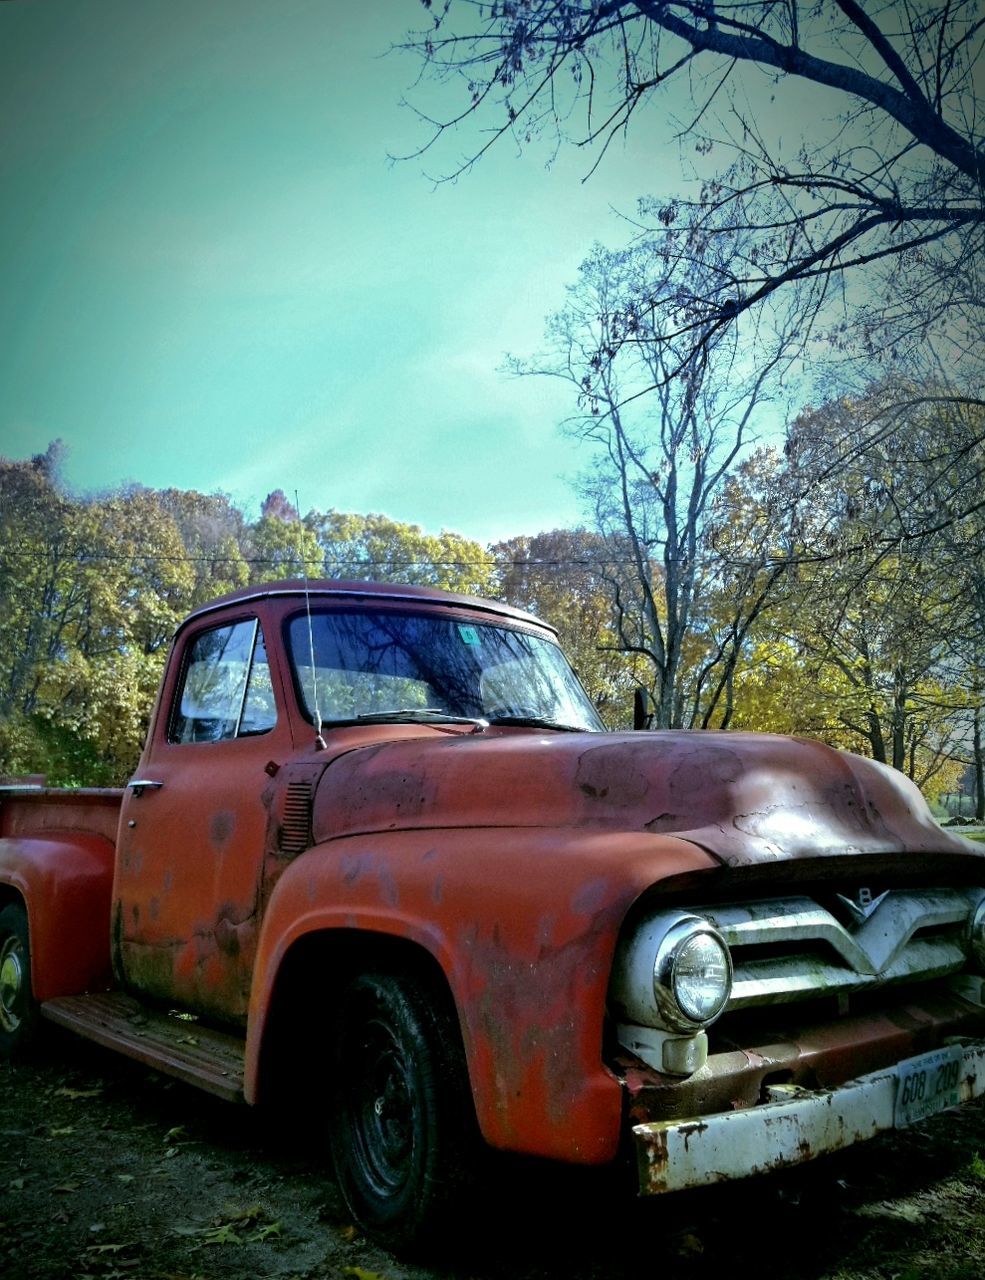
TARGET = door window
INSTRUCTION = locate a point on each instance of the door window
(226, 691)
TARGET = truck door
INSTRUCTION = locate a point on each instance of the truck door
(193, 825)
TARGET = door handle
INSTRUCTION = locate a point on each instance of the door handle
(140, 785)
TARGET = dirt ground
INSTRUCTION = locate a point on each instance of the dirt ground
(110, 1171)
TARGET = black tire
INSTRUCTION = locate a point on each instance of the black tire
(401, 1125)
(18, 1009)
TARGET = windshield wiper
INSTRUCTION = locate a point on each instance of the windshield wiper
(407, 715)
(537, 722)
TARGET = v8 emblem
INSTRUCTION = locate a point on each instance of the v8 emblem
(863, 904)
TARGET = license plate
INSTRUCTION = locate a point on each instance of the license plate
(927, 1084)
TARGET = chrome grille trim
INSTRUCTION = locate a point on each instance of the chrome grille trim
(813, 953)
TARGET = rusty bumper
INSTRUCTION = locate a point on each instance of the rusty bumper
(795, 1124)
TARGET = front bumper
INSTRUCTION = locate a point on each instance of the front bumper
(794, 1125)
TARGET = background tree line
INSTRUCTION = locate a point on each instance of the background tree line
(767, 589)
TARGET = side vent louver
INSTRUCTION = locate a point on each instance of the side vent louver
(295, 827)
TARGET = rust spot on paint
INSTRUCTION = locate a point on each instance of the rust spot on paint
(611, 773)
(234, 935)
(663, 822)
(389, 890)
(222, 826)
(590, 897)
(688, 1131)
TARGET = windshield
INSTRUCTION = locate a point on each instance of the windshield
(389, 665)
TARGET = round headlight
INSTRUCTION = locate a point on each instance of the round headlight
(692, 974)
(701, 976)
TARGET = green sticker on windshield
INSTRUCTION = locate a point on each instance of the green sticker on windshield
(469, 634)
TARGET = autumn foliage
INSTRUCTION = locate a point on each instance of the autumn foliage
(812, 610)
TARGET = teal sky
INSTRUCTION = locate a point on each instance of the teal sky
(211, 277)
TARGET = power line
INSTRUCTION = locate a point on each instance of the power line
(83, 557)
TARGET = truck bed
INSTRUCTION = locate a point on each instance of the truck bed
(34, 809)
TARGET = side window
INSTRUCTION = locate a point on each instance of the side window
(226, 690)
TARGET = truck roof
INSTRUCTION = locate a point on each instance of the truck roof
(390, 591)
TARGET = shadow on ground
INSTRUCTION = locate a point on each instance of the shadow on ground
(108, 1171)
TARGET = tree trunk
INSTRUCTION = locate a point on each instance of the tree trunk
(899, 721)
(876, 740)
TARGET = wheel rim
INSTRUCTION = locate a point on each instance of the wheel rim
(13, 970)
(382, 1112)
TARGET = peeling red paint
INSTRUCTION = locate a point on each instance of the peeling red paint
(530, 985)
(748, 798)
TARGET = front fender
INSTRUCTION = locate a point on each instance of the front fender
(523, 923)
(65, 882)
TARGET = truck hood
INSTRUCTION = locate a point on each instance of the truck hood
(745, 798)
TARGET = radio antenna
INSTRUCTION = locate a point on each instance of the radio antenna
(319, 740)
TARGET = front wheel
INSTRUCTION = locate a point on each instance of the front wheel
(401, 1125)
(18, 1010)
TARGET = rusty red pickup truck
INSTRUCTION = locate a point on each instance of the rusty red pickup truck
(380, 853)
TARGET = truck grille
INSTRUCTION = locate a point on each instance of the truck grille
(796, 948)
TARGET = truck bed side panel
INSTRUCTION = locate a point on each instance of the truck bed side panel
(64, 879)
(36, 811)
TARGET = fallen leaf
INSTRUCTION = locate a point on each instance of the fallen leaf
(360, 1273)
(66, 1188)
(16, 1184)
(229, 1227)
(62, 1133)
(177, 1132)
(124, 1177)
(224, 1234)
(67, 1092)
